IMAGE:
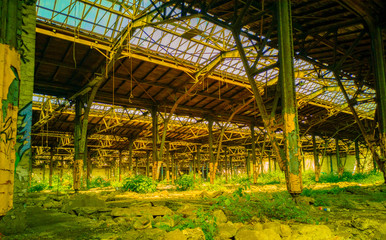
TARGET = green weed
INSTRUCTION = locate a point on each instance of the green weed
(203, 220)
(185, 182)
(282, 206)
(37, 186)
(139, 184)
(269, 178)
(99, 182)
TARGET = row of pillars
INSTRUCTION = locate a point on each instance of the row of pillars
(289, 156)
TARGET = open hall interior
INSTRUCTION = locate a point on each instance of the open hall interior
(192, 119)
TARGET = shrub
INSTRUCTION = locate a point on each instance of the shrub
(371, 177)
(99, 182)
(185, 182)
(275, 177)
(204, 220)
(139, 184)
(308, 177)
(37, 186)
(242, 206)
(282, 206)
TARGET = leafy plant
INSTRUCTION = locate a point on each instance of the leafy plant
(37, 186)
(282, 206)
(321, 201)
(139, 184)
(185, 182)
(99, 182)
(238, 205)
(275, 177)
(203, 220)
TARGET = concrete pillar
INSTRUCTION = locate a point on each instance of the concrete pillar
(316, 159)
(147, 163)
(331, 165)
(78, 161)
(10, 81)
(211, 156)
(131, 142)
(24, 118)
(357, 158)
(168, 162)
(173, 169)
(155, 141)
(51, 167)
(231, 166)
(289, 109)
(226, 163)
(120, 166)
(338, 160)
(253, 149)
(378, 57)
(61, 169)
(198, 160)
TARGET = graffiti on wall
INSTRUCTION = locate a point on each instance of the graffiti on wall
(9, 106)
(9, 95)
(24, 131)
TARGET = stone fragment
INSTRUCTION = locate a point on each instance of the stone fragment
(314, 232)
(275, 226)
(175, 235)
(194, 234)
(82, 200)
(305, 200)
(258, 226)
(162, 222)
(143, 222)
(15, 221)
(285, 231)
(226, 230)
(246, 234)
(141, 211)
(364, 223)
(220, 216)
(187, 210)
(271, 234)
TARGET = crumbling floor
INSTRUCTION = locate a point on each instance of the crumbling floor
(355, 213)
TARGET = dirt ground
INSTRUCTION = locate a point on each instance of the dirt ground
(358, 212)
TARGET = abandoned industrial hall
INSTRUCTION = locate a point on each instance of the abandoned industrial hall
(192, 119)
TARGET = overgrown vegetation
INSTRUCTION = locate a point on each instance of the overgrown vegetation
(37, 186)
(370, 177)
(203, 220)
(185, 182)
(308, 178)
(139, 184)
(99, 182)
(58, 184)
(242, 206)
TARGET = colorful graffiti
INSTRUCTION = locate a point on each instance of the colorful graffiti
(9, 95)
(24, 131)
